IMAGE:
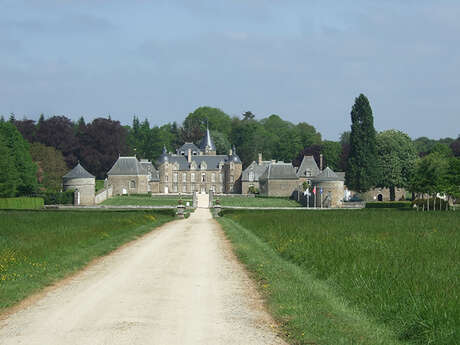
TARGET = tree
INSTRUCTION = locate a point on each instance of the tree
(221, 142)
(51, 166)
(430, 174)
(58, 132)
(101, 144)
(396, 160)
(331, 151)
(25, 176)
(361, 174)
(195, 123)
(247, 115)
(8, 174)
(455, 147)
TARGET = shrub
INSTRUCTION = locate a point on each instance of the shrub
(58, 198)
(253, 190)
(389, 204)
(21, 203)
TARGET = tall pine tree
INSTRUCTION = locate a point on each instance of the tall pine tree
(361, 174)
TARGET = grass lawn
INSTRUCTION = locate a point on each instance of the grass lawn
(146, 200)
(38, 248)
(257, 202)
(99, 185)
(355, 277)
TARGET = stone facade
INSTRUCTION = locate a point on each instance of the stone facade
(83, 183)
(383, 194)
(129, 184)
(199, 169)
(279, 179)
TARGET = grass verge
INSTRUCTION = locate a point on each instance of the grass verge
(361, 277)
(39, 248)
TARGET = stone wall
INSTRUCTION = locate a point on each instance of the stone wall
(332, 195)
(126, 184)
(373, 194)
(103, 195)
(278, 187)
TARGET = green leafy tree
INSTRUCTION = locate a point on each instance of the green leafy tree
(221, 142)
(51, 166)
(430, 174)
(8, 174)
(25, 179)
(361, 174)
(195, 123)
(331, 151)
(396, 160)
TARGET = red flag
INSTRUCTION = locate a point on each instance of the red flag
(314, 190)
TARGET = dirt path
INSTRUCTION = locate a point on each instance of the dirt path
(178, 285)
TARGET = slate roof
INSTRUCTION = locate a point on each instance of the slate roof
(256, 168)
(212, 162)
(78, 172)
(279, 171)
(234, 156)
(184, 148)
(207, 142)
(308, 163)
(327, 175)
(127, 166)
(154, 173)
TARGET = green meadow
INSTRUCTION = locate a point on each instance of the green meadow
(256, 201)
(355, 277)
(38, 248)
(146, 200)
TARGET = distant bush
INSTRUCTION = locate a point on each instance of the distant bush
(58, 198)
(389, 204)
(21, 203)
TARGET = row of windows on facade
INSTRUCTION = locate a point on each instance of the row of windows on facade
(193, 177)
(197, 188)
(203, 165)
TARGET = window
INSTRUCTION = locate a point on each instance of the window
(184, 177)
(193, 165)
(213, 188)
(221, 177)
(175, 188)
(175, 177)
(203, 166)
(308, 172)
(193, 187)
(184, 188)
(251, 176)
(132, 184)
(203, 177)
(232, 179)
(192, 177)
(213, 177)
(166, 178)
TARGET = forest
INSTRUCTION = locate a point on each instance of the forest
(41, 152)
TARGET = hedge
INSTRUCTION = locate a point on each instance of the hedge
(389, 204)
(58, 198)
(21, 203)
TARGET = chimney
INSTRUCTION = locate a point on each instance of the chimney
(260, 158)
(230, 153)
(189, 156)
(321, 162)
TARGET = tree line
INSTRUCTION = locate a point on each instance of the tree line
(55, 145)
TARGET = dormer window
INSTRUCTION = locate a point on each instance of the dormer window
(251, 176)
(193, 165)
(308, 172)
(203, 165)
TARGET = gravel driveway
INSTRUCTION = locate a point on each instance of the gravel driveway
(180, 284)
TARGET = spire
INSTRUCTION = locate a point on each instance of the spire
(206, 143)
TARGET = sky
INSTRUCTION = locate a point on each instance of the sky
(303, 60)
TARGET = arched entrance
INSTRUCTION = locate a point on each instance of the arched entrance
(380, 197)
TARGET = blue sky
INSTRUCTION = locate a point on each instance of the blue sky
(303, 60)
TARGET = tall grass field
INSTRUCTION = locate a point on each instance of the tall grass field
(38, 248)
(355, 277)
